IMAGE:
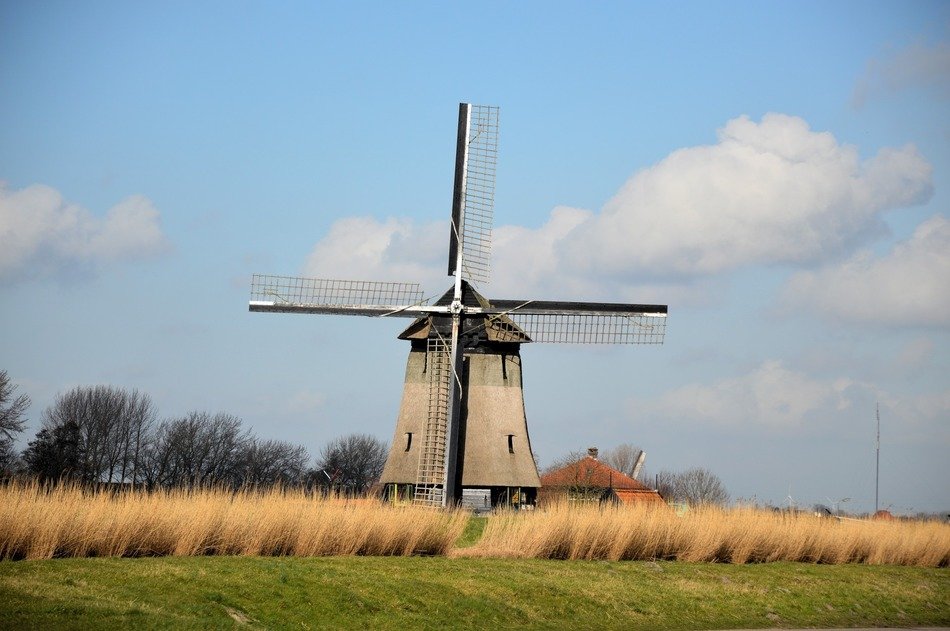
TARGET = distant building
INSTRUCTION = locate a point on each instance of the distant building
(589, 480)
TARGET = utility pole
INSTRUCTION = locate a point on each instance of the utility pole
(877, 460)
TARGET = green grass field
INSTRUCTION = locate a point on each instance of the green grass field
(438, 592)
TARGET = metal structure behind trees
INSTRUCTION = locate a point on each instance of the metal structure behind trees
(462, 310)
(877, 456)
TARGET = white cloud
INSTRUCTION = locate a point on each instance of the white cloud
(525, 259)
(908, 286)
(917, 66)
(768, 192)
(41, 233)
(773, 396)
(770, 395)
(396, 250)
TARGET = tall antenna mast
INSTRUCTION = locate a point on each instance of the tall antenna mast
(877, 462)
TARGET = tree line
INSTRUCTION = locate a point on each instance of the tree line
(107, 435)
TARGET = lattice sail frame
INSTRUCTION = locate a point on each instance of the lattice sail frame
(570, 328)
(479, 192)
(290, 290)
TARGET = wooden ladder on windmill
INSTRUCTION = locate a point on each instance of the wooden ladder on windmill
(430, 480)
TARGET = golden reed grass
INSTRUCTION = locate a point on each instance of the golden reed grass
(561, 531)
(38, 522)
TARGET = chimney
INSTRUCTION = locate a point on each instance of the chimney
(592, 452)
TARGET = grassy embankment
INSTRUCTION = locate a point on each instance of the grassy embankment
(439, 593)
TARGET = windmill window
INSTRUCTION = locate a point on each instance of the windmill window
(511, 443)
(408, 440)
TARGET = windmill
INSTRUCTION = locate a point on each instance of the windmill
(461, 421)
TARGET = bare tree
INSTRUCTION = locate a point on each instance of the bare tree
(695, 486)
(196, 450)
(623, 458)
(12, 409)
(666, 484)
(567, 459)
(269, 462)
(136, 426)
(353, 462)
(112, 425)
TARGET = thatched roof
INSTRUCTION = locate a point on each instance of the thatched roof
(496, 328)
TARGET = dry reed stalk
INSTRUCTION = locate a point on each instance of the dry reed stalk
(15, 528)
(39, 522)
(563, 531)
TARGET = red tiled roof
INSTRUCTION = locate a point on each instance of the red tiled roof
(589, 471)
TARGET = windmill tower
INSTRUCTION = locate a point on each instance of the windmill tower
(462, 422)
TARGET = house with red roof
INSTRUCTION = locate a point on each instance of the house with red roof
(591, 480)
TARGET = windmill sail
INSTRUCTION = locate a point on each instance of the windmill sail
(585, 322)
(473, 200)
(289, 294)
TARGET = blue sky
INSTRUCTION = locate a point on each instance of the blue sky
(775, 172)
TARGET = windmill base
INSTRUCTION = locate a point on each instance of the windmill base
(478, 500)
(494, 446)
